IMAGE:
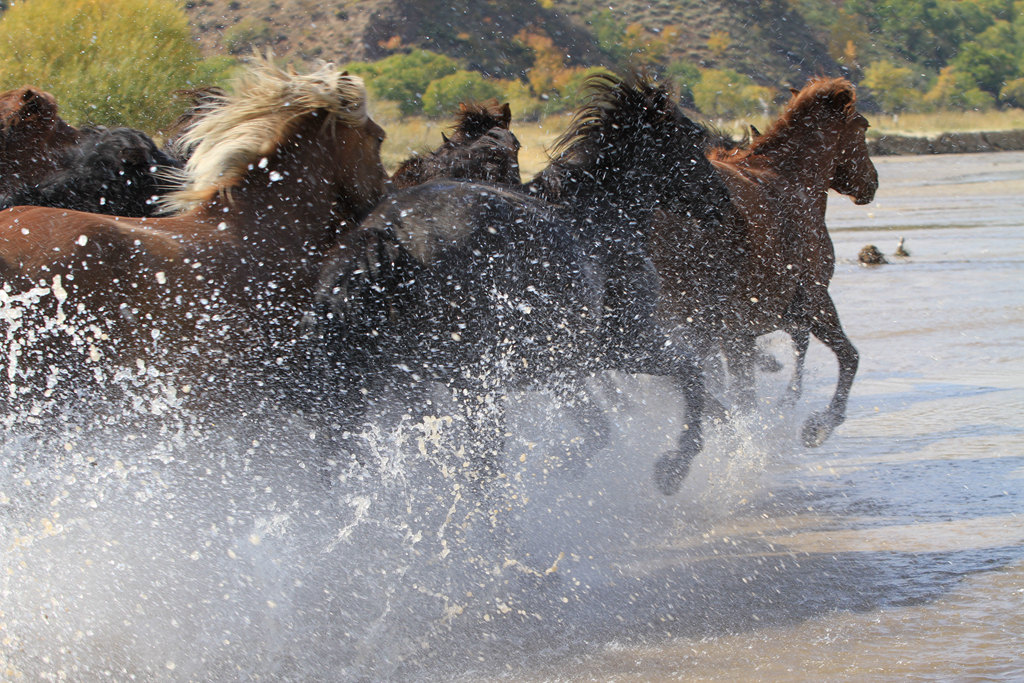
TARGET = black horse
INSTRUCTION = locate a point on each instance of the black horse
(488, 289)
(115, 171)
(481, 147)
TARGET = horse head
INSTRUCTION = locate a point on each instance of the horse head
(31, 132)
(853, 173)
(631, 146)
(359, 172)
(480, 148)
(278, 124)
(28, 109)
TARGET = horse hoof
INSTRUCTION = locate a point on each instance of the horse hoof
(670, 470)
(817, 429)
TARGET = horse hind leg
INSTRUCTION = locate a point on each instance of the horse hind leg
(826, 328)
(801, 338)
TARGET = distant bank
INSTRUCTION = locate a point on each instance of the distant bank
(948, 143)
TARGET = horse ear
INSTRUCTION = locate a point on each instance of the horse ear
(754, 132)
(794, 91)
(506, 114)
(444, 138)
(463, 108)
(34, 104)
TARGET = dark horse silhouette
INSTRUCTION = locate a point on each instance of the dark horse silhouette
(770, 268)
(481, 148)
(114, 171)
(487, 289)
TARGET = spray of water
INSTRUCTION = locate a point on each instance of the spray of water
(159, 540)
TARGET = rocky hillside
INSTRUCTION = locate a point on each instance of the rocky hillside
(764, 38)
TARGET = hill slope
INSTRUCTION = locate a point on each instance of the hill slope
(766, 40)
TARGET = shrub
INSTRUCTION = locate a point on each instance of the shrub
(685, 75)
(955, 89)
(892, 86)
(247, 35)
(1013, 93)
(520, 98)
(727, 93)
(112, 62)
(403, 78)
(443, 95)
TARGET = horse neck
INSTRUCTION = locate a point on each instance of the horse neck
(283, 212)
(803, 153)
(30, 157)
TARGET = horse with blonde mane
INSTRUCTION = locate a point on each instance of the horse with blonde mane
(770, 268)
(217, 290)
(32, 136)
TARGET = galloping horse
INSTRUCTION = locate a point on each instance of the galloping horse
(481, 148)
(771, 269)
(32, 136)
(218, 289)
(488, 289)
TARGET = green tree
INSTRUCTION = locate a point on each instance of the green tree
(610, 33)
(990, 59)
(404, 78)
(957, 90)
(727, 93)
(685, 75)
(892, 86)
(1013, 93)
(112, 62)
(443, 95)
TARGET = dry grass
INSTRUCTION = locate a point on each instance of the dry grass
(943, 122)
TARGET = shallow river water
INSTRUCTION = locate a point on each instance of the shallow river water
(199, 550)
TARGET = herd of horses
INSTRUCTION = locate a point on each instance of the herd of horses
(275, 256)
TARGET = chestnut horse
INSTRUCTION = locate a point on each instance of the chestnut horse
(218, 289)
(32, 136)
(770, 270)
(481, 148)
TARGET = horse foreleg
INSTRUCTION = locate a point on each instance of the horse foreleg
(685, 373)
(739, 353)
(825, 327)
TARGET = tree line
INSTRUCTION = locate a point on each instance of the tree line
(114, 62)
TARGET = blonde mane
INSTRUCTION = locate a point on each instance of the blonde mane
(235, 131)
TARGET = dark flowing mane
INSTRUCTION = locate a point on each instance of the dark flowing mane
(632, 142)
(476, 118)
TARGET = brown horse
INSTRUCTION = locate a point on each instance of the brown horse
(481, 148)
(219, 288)
(771, 269)
(32, 136)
